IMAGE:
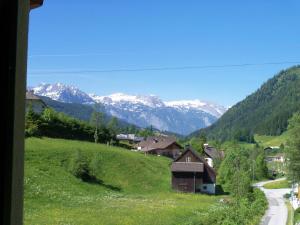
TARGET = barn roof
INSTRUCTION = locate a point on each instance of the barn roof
(187, 167)
(157, 142)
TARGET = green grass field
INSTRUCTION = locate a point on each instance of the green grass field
(277, 184)
(266, 140)
(134, 188)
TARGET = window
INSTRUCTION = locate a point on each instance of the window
(188, 159)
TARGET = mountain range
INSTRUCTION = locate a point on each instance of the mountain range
(182, 116)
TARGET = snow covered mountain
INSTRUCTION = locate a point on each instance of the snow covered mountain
(186, 105)
(182, 117)
(63, 93)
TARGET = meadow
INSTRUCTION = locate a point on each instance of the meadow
(266, 140)
(132, 188)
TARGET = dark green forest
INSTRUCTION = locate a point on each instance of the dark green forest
(264, 112)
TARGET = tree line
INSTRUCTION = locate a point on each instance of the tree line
(51, 123)
(54, 124)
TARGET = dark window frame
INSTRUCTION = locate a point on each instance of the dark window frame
(14, 23)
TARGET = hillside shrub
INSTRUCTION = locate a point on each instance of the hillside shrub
(95, 165)
(79, 166)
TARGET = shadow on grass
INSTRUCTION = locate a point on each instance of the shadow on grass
(94, 180)
(220, 190)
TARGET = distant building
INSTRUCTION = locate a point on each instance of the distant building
(191, 173)
(160, 145)
(270, 148)
(32, 100)
(212, 154)
(276, 158)
(132, 138)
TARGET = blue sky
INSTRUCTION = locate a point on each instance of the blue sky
(96, 45)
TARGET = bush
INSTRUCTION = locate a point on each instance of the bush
(247, 210)
(95, 165)
(79, 166)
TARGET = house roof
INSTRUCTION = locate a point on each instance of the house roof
(187, 167)
(210, 170)
(157, 142)
(213, 153)
(31, 96)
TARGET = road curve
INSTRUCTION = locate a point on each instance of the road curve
(277, 212)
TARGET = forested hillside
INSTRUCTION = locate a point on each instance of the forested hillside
(264, 112)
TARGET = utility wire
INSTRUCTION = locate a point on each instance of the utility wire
(161, 68)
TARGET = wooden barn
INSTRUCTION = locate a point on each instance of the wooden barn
(191, 173)
(160, 145)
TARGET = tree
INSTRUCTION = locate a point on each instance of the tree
(197, 143)
(32, 123)
(49, 115)
(96, 120)
(146, 132)
(293, 148)
(113, 125)
(234, 173)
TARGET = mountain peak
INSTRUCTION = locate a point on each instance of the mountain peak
(121, 98)
(63, 93)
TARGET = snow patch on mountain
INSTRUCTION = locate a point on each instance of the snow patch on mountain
(208, 107)
(119, 98)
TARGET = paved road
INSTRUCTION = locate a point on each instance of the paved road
(277, 213)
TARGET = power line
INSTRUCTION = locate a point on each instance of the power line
(161, 68)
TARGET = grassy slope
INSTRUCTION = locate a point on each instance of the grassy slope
(277, 184)
(266, 141)
(135, 189)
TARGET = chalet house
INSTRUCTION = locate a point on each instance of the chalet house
(191, 173)
(211, 154)
(37, 104)
(160, 145)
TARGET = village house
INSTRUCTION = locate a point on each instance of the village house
(191, 173)
(32, 100)
(212, 155)
(160, 145)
